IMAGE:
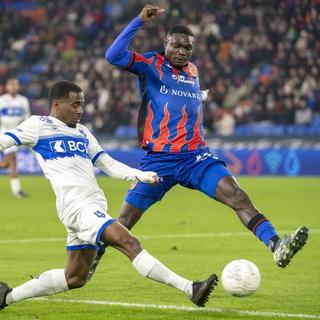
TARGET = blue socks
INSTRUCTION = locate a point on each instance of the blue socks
(264, 230)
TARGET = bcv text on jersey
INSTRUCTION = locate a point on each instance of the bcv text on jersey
(62, 147)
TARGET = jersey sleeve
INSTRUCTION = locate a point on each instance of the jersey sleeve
(139, 63)
(119, 55)
(27, 133)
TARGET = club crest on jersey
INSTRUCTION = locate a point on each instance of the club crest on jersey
(193, 71)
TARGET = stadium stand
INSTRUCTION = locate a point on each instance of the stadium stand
(263, 77)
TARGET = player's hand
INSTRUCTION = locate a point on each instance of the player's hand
(147, 177)
(205, 94)
(149, 12)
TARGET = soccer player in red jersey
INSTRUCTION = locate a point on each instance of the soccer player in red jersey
(170, 130)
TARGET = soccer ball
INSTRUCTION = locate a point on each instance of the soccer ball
(240, 278)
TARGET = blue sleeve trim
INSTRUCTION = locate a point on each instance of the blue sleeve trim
(102, 228)
(95, 158)
(82, 246)
(14, 137)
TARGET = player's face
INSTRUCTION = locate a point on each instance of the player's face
(178, 49)
(69, 110)
(12, 86)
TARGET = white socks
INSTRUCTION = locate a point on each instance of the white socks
(152, 268)
(54, 281)
(49, 282)
(15, 185)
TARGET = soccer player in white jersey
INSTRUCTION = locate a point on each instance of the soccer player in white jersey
(14, 108)
(67, 153)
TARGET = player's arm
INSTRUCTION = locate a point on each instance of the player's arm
(119, 170)
(6, 142)
(27, 109)
(112, 167)
(204, 94)
(118, 53)
(27, 134)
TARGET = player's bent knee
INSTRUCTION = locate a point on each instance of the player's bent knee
(76, 282)
(76, 277)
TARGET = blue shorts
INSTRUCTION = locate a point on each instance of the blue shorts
(195, 170)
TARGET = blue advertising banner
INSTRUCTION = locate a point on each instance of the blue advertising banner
(241, 161)
(272, 162)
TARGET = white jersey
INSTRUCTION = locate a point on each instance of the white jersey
(13, 110)
(67, 157)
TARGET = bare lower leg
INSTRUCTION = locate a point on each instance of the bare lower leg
(229, 193)
(13, 165)
(57, 280)
(129, 215)
(5, 163)
(78, 265)
(120, 238)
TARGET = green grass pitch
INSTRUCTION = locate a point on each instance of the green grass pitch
(188, 232)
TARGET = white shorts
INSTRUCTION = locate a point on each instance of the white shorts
(85, 226)
(13, 149)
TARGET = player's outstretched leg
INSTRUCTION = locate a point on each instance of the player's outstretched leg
(201, 290)
(48, 283)
(52, 281)
(229, 192)
(289, 245)
(4, 290)
(148, 266)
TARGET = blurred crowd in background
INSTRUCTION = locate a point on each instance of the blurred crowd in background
(260, 59)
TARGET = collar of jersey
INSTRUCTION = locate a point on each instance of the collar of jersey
(61, 122)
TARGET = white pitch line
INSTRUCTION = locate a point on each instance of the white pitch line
(208, 235)
(37, 240)
(188, 309)
(156, 236)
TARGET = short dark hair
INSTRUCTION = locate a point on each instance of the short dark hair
(180, 29)
(12, 79)
(61, 89)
